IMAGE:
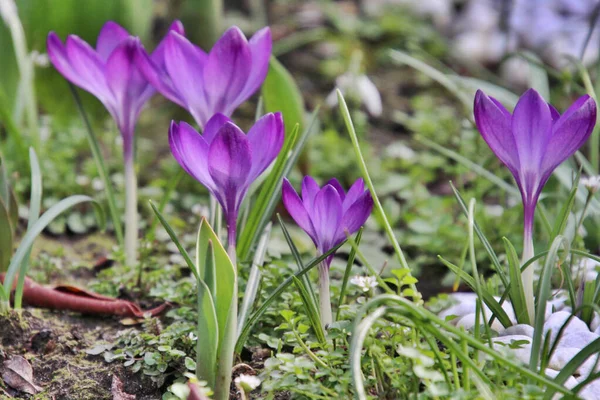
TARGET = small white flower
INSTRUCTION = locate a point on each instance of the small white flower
(366, 283)
(82, 180)
(247, 382)
(359, 87)
(97, 184)
(592, 183)
(40, 59)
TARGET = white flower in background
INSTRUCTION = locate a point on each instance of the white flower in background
(592, 183)
(247, 383)
(358, 87)
(39, 59)
(366, 283)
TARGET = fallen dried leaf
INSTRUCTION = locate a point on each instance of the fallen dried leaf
(18, 374)
(117, 390)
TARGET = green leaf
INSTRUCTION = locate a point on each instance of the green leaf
(347, 272)
(225, 279)
(563, 216)
(488, 298)
(35, 230)
(311, 310)
(210, 273)
(280, 93)
(517, 295)
(208, 335)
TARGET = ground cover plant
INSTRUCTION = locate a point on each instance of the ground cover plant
(297, 200)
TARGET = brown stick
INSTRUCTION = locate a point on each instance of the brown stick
(75, 299)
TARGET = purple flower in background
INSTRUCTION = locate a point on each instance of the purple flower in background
(226, 160)
(532, 142)
(109, 72)
(325, 214)
(207, 84)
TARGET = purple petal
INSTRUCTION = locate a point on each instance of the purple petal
(532, 129)
(89, 67)
(310, 188)
(177, 26)
(226, 71)
(212, 127)
(265, 139)
(357, 214)
(336, 184)
(326, 217)
(260, 47)
(157, 76)
(570, 132)
(110, 36)
(229, 163)
(355, 191)
(295, 208)
(191, 152)
(184, 63)
(58, 56)
(493, 122)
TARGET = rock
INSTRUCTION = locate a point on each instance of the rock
(520, 329)
(577, 340)
(591, 391)
(468, 322)
(555, 322)
(563, 355)
(569, 384)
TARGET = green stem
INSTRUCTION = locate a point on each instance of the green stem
(102, 171)
(209, 22)
(324, 296)
(527, 275)
(131, 212)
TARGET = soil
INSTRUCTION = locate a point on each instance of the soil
(54, 343)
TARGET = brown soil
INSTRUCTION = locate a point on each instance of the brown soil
(55, 344)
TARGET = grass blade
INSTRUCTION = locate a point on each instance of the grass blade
(347, 272)
(516, 293)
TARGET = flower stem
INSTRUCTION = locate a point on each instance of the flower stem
(324, 295)
(527, 275)
(131, 212)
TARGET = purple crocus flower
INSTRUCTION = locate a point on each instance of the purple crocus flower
(207, 84)
(109, 72)
(532, 142)
(326, 214)
(226, 160)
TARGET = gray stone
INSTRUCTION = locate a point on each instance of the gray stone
(520, 329)
(555, 322)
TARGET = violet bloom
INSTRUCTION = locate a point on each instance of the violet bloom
(110, 73)
(207, 84)
(532, 142)
(326, 214)
(226, 160)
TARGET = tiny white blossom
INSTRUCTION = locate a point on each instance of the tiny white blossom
(359, 87)
(366, 283)
(97, 184)
(82, 180)
(592, 183)
(247, 382)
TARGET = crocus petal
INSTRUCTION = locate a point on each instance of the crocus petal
(265, 139)
(212, 127)
(356, 215)
(494, 123)
(110, 36)
(569, 133)
(532, 129)
(184, 63)
(191, 152)
(226, 71)
(58, 56)
(310, 188)
(157, 76)
(336, 184)
(326, 217)
(295, 207)
(229, 163)
(355, 191)
(261, 44)
(90, 68)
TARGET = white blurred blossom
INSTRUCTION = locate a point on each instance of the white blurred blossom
(365, 283)
(359, 87)
(592, 183)
(247, 383)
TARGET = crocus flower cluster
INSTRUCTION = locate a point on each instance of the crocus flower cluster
(207, 84)
(225, 159)
(532, 142)
(327, 214)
